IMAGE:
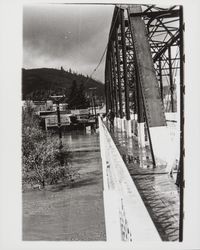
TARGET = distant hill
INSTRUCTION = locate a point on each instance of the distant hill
(39, 84)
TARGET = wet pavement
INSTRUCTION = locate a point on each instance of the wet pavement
(157, 189)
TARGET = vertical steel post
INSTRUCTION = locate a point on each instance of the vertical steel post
(59, 124)
(118, 75)
(135, 99)
(140, 108)
(143, 103)
(114, 81)
(107, 87)
(182, 91)
(160, 76)
(111, 83)
(142, 115)
(171, 79)
(106, 94)
(126, 86)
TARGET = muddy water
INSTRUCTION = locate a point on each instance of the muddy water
(70, 214)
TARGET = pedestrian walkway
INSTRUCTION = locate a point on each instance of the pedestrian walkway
(157, 189)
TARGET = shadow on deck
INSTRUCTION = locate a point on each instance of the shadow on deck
(156, 187)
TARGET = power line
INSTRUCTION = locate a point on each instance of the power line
(101, 59)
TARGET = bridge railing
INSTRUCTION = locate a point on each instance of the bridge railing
(126, 216)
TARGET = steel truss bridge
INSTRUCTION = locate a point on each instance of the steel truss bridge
(144, 88)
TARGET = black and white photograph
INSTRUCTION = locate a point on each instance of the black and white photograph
(106, 149)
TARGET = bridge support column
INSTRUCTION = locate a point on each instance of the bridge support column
(141, 142)
(125, 73)
(123, 124)
(115, 121)
(118, 123)
(128, 128)
(141, 135)
(134, 121)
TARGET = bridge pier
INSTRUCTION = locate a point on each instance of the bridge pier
(118, 123)
(128, 128)
(141, 134)
(134, 125)
(141, 143)
(123, 124)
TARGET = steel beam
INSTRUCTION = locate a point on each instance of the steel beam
(154, 14)
(171, 80)
(111, 84)
(126, 86)
(166, 46)
(114, 81)
(160, 78)
(147, 75)
(118, 75)
(108, 82)
(182, 92)
(140, 109)
(107, 88)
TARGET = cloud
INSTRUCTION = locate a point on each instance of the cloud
(73, 36)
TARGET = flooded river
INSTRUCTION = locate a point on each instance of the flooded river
(70, 214)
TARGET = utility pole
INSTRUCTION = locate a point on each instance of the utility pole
(57, 99)
(93, 101)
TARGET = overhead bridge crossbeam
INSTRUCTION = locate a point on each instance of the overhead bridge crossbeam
(144, 83)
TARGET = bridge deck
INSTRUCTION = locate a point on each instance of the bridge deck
(157, 189)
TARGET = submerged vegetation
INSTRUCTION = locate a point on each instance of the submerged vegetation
(43, 161)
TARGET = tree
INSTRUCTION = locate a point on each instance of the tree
(43, 162)
(77, 97)
(72, 101)
(83, 101)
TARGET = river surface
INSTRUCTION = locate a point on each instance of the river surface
(70, 214)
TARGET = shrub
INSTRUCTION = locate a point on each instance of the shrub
(42, 159)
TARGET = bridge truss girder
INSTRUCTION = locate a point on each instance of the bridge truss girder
(124, 94)
(163, 32)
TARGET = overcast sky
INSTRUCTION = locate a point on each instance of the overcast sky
(72, 36)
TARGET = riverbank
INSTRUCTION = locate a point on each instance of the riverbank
(69, 214)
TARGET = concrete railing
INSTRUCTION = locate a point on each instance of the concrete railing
(126, 216)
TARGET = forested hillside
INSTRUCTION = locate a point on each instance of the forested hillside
(39, 84)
